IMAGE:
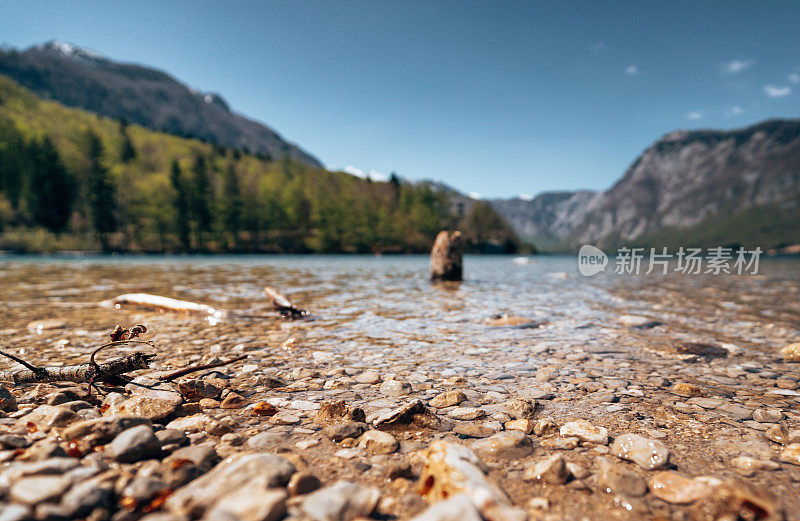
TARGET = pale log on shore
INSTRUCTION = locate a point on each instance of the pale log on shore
(159, 303)
(446, 257)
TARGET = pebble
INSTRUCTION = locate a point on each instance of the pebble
(135, 444)
(791, 353)
(736, 412)
(350, 453)
(791, 454)
(674, 487)
(747, 465)
(618, 480)
(466, 413)
(368, 377)
(506, 444)
(154, 405)
(521, 409)
(544, 426)
(448, 399)
(647, 453)
(302, 483)
(378, 442)
(395, 388)
(551, 470)
(83, 498)
(38, 489)
(7, 401)
(197, 389)
(285, 418)
(456, 508)
(340, 431)
(250, 503)
(228, 476)
(303, 405)
(523, 425)
(306, 444)
(577, 471)
(472, 430)
(200, 423)
(233, 401)
(778, 434)
(767, 415)
(45, 417)
(265, 441)
(560, 443)
(585, 431)
(538, 503)
(684, 389)
(343, 501)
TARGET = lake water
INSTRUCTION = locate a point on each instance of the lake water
(374, 307)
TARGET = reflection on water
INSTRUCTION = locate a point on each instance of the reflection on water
(369, 307)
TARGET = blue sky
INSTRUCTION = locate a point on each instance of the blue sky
(497, 98)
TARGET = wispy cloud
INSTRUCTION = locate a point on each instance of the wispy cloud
(794, 77)
(737, 66)
(736, 110)
(526, 197)
(775, 91)
(632, 70)
(475, 195)
(695, 115)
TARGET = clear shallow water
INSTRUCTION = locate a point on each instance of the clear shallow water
(381, 309)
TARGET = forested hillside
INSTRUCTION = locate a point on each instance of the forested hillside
(71, 180)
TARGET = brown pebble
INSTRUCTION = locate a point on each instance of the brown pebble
(302, 483)
(264, 409)
(234, 401)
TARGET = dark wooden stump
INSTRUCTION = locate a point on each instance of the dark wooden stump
(446, 257)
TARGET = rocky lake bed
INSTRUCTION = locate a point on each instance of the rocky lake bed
(526, 392)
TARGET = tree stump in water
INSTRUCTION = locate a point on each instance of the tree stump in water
(446, 257)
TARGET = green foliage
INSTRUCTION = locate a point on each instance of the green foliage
(65, 172)
(52, 189)
(100, 193)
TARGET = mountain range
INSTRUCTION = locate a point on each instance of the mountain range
(689, 188)
(84, 79)
(703, 187)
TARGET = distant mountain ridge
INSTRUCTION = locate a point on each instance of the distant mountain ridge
(704, 187)
(84, 79)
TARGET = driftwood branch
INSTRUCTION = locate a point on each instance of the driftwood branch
(194, 368)
(111, 372)
(284, 306)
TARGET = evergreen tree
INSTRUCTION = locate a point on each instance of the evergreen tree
(181, 205)
(15, 161)
(232, 209)
(201, 199)
(100, 193)
(128, 152)
(53, 190)
(394, 182)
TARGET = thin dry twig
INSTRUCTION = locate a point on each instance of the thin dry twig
(192, 369)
